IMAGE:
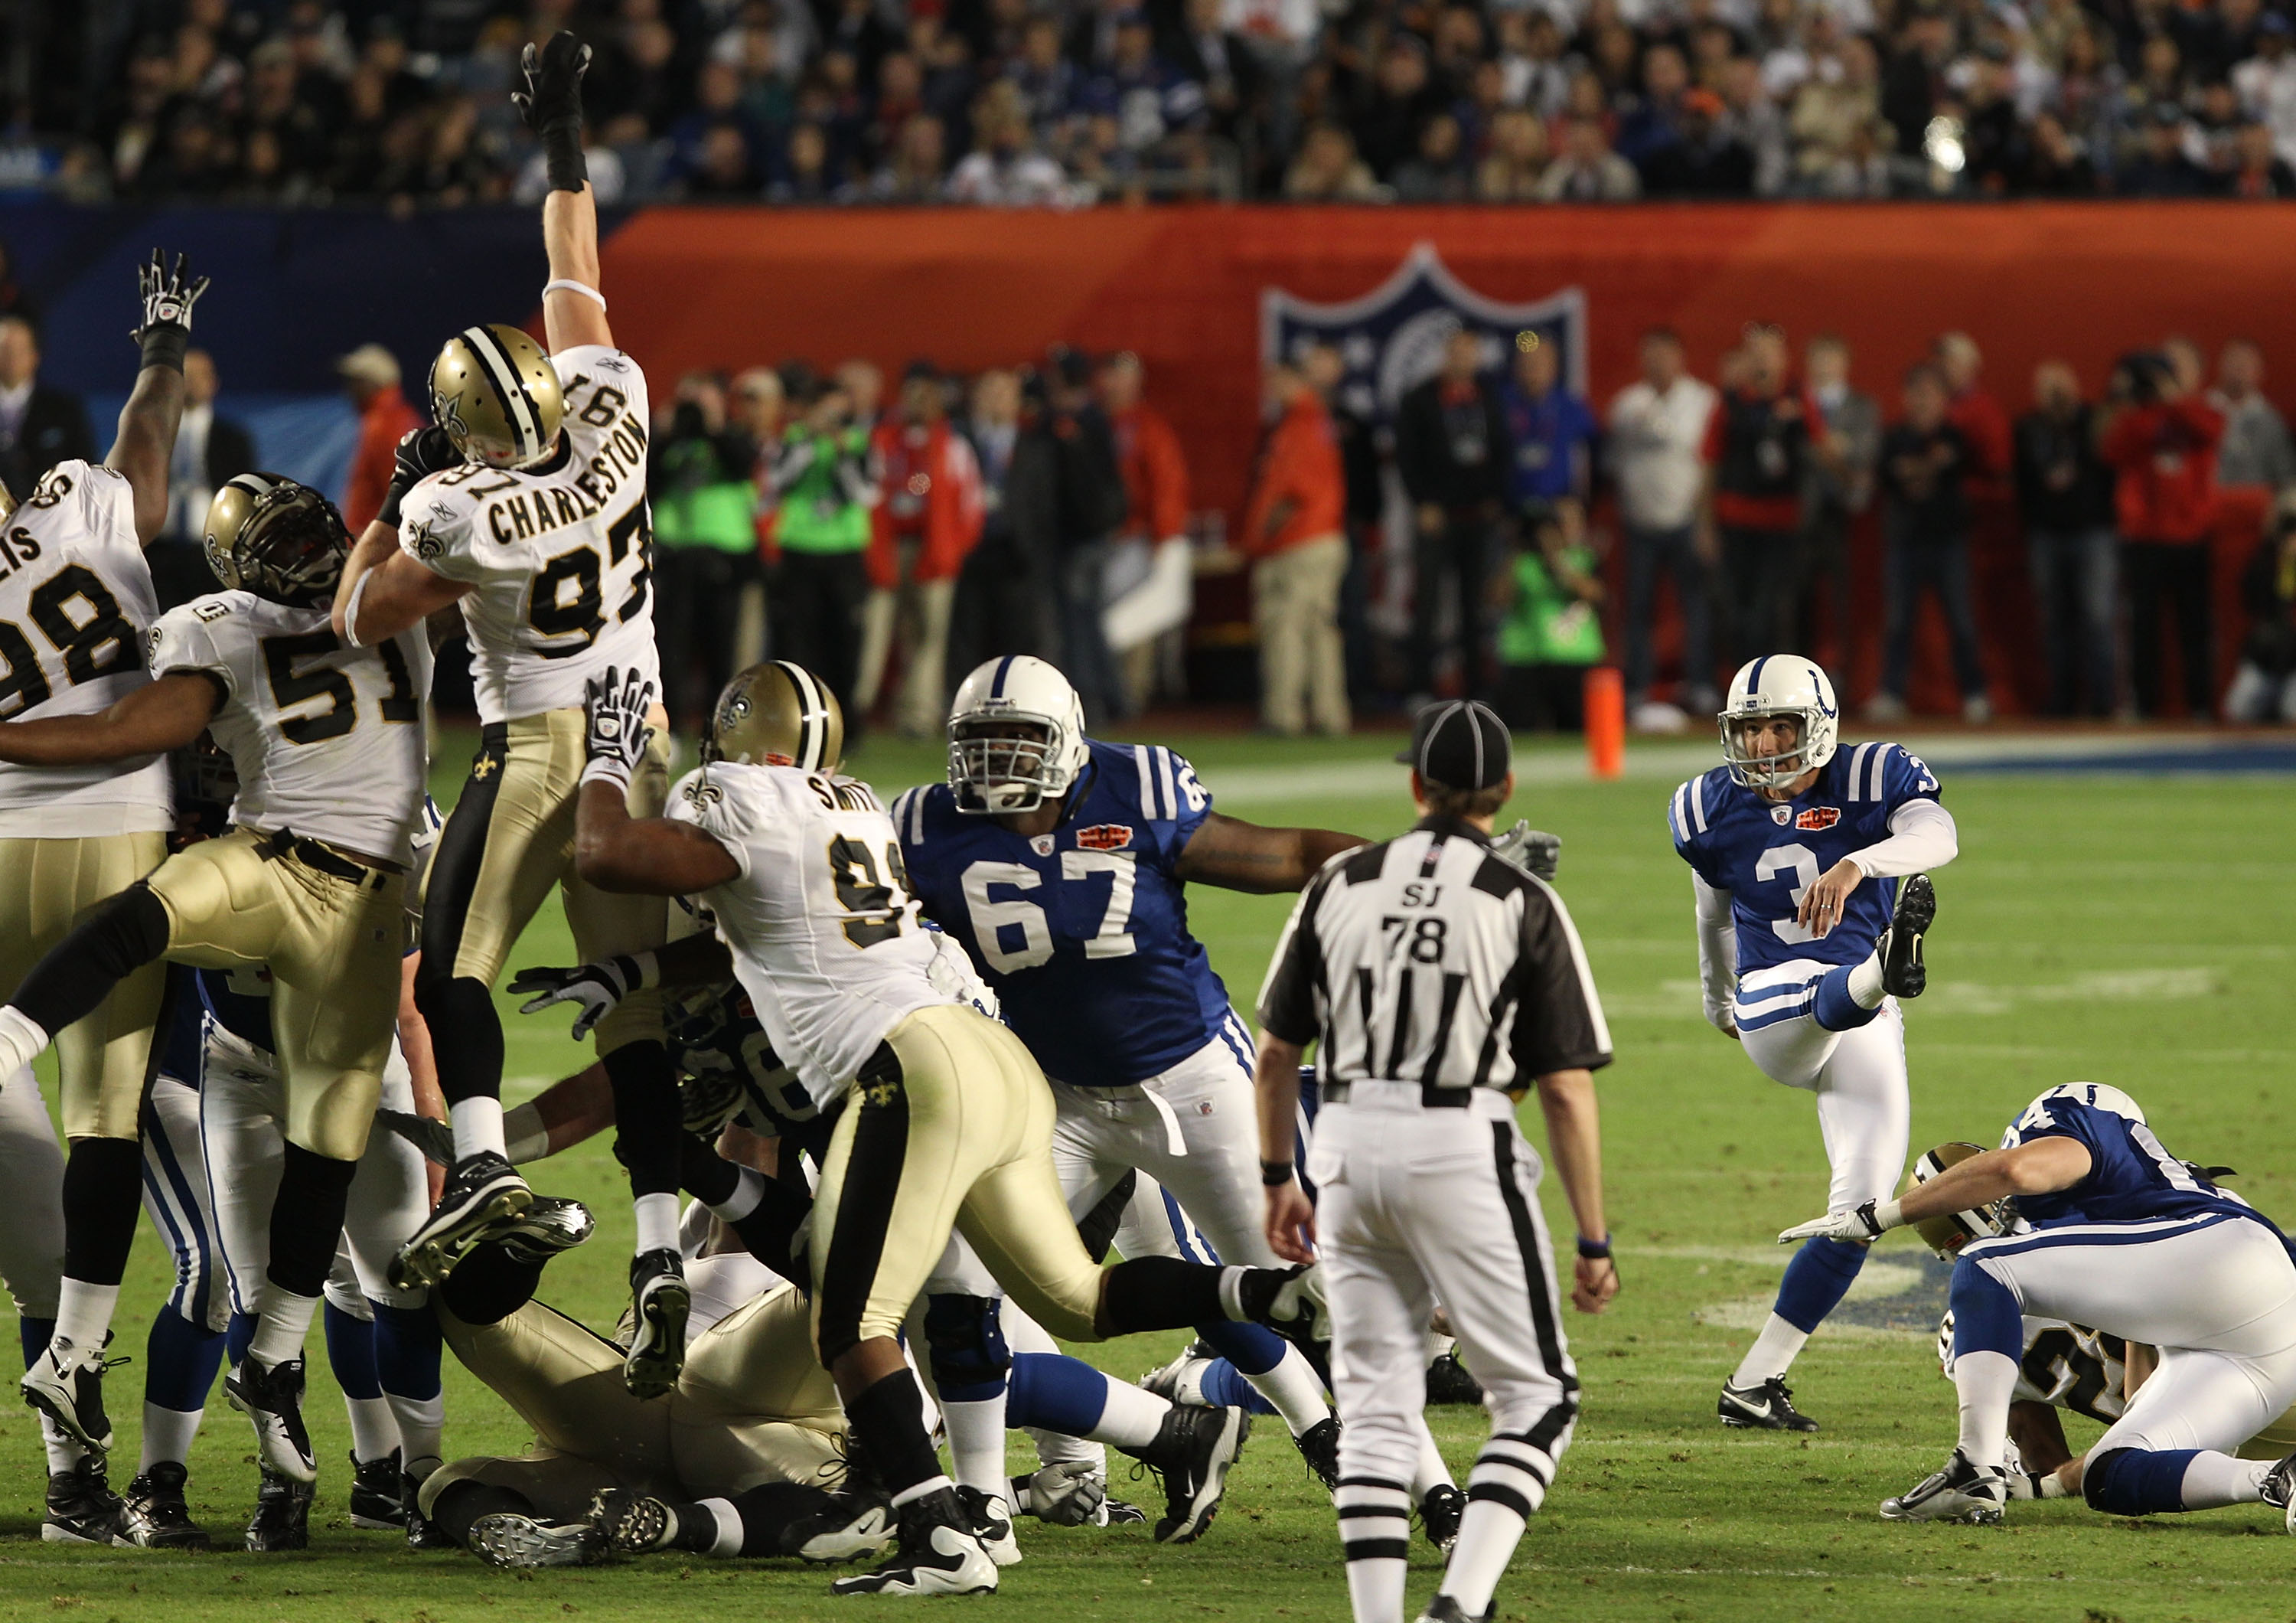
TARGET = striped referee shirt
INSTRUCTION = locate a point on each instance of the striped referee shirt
(1428, 959)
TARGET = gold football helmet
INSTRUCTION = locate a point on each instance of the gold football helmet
(279, 540)
(498, 396)
(778, 713)
(1947, 1235)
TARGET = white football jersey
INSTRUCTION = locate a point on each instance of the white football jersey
(327, 739)
(75, 603)
(826, 939)
(560, 554)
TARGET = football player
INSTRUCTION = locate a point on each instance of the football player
(535, 522)
(1062, 864)
(802, 870)
(327, 742)
(76, 602)
(1801, 958)
(2126, 1238)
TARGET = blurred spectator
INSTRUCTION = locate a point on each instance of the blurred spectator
(1004, 592)
(2256, 449)
(1402, 97)
(1705, 158)
(926, 526)
(1435, 173)
(2162, 168)
(1834, 109)
(1005, 169)
(1551, 433)
(1327, 169)
(2258, 170)
(826, 480)
(1984, 425)
(1837, 494)
(705, 544)
(1155, 474)
(915, 174)
(369, 378)
(1292, 532)
(1083, 502)
(2161, 440)
(1451, 450)
(1515, 167)
(1925, 517)
(1361, 461)
(2064, 496)
(2266, 82)
(761, 405)
(210, 449)
(864, 391)
(1587, 170)
(1658, 428)
(1760, 444)
(2263, 683)
(39, 426)
(1549, 602)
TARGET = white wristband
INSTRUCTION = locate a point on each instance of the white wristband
(649, 970)
(561, 284)
(351, 609)
(606, 769)
(1889, 1215)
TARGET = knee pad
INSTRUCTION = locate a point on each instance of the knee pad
(2100, 1486)
(970, 1358)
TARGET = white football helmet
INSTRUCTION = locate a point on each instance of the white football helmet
(1779, 685)
(1016, 736)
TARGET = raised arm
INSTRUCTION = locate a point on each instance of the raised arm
(157, 717)
(573, 308)
(1237, 855)
(649, 856)
(146, 442)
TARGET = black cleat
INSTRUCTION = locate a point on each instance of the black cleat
(1192, 1452)
(1443, 1609)
(1289, 1301)
(2280, 1488)
(658, 1306)
(421, 1532)
(1903, 973)
(1768, 1407)
(66, 1384)
(1449, 1382)
(272, 1399)
(938, 1555)
(283, 1516)
(1181, 1381)
(374, 1493)
(520, 1544)
(858, 1521)
(483, 1193)
(992, 1524)
(155, 1517)
(631, 1524)
(1963, 1493)
(1441, 1513)
(1319, 1446)
(82, 1507)
(549, 1226)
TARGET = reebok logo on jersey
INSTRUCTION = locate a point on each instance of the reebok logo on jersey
(1103, 836)
(1041, 844)
(1819, 817)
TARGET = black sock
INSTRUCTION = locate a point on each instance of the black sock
(768, 1508)
(707, 1176)
(103, 1190)
(648, 1123)
(117, 937)
(889, 1420)
(462, 1010)
(488, 1285)
(1158, 1293)
(306, 1219)
(461, 1503)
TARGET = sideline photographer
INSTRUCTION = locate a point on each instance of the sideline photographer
(2161, 440)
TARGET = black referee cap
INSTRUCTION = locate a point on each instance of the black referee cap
(1460, 744)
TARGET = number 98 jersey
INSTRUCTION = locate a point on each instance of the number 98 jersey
(560, 554)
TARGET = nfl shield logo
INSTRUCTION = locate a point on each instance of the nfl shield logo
(1041, 844)
(1781, 815)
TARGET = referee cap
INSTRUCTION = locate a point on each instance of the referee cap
(1460, 744)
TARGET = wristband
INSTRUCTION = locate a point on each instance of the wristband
(561, 154)
(648, 970)
(351, 609)
(567, 285)
(1594, 1250)
(1882, 1215)
(387, 514)
(1274, 1174)
(606, 769)
(164, 345)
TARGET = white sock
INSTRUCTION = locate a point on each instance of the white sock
(62, 1452)
(1488, 1534)
(477, 1127)
(729, 1528)
(21, 1038)
(83, 1312)
(1292, 1386)
(976, 1442)
(422, 1422)
(373, 1433)
(1864, 982)
(930, 1485)
(747, 1192)
(2052, 1487)
(1433, 1472)
(1772, 1354)
(1375, 1518)
(2212, 1480)
(524, 1137)
(168, 1435)
(285, 1323)
(1130, 1418)
(656, 1224)
(1985, 1381)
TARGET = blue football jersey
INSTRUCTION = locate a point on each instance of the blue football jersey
(2131, 1178)
(1767, 854)
(182, 1046)
(240, 999)
(1082, 933)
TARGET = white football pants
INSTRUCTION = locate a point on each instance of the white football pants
(175, 1199)
(31, 1197)
(1864, 1104)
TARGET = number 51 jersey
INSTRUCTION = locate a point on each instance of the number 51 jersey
(560, 554)
(1082, 932)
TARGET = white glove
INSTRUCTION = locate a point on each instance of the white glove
(596, 987)
(1859, 1225)
(614, 709)
(1534, 852)
(1067, 1495)
(951, 974)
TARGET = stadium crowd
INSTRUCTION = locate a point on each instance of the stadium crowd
(1066, 103)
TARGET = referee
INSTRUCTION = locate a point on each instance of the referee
(1437, 981)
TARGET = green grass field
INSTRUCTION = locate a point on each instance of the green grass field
(2120, 929)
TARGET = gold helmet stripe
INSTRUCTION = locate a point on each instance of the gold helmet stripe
(502, 371)
(812, 716)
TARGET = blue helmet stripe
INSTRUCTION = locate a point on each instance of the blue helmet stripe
(1754, 679)
(996, 685)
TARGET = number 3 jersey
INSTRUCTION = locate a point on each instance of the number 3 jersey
(327, 739)
(559, 555)
(76, 602)
(1765, 854)
(1082, 933)
(826, 938)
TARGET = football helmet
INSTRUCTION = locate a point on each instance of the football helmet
(777, 713)
(498, 396)
(1945, 1235)
(1779, 685)
(279, 540)
(1015, 737)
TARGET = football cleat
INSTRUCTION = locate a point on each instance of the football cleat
(660, 1303)
(1903, 973)
(283, 1516)
(82, 1507)
(154, 1516)
(66, 1384)
(858, 1521)
(483, 1193)
(520, 1544)
(1319, 1446)
(2280, 1489)
(1768, 1407)
(1182, 1380)
(631, 1524)
(1290, 1302)
(1192, 1451)
(1449, 1382)
(421, 1532)
(1441, 1513)
(1443, 1609)
(992, 1524)
(1971, 1495)
(549, 1226)
(937, 1555)
(374, 1493)
(1122, 1513)
(272, 1399)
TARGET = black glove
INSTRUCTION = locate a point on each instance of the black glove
(598, 987)
(615, 709)
(552, 106)
(168, 295)
(422, 452)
